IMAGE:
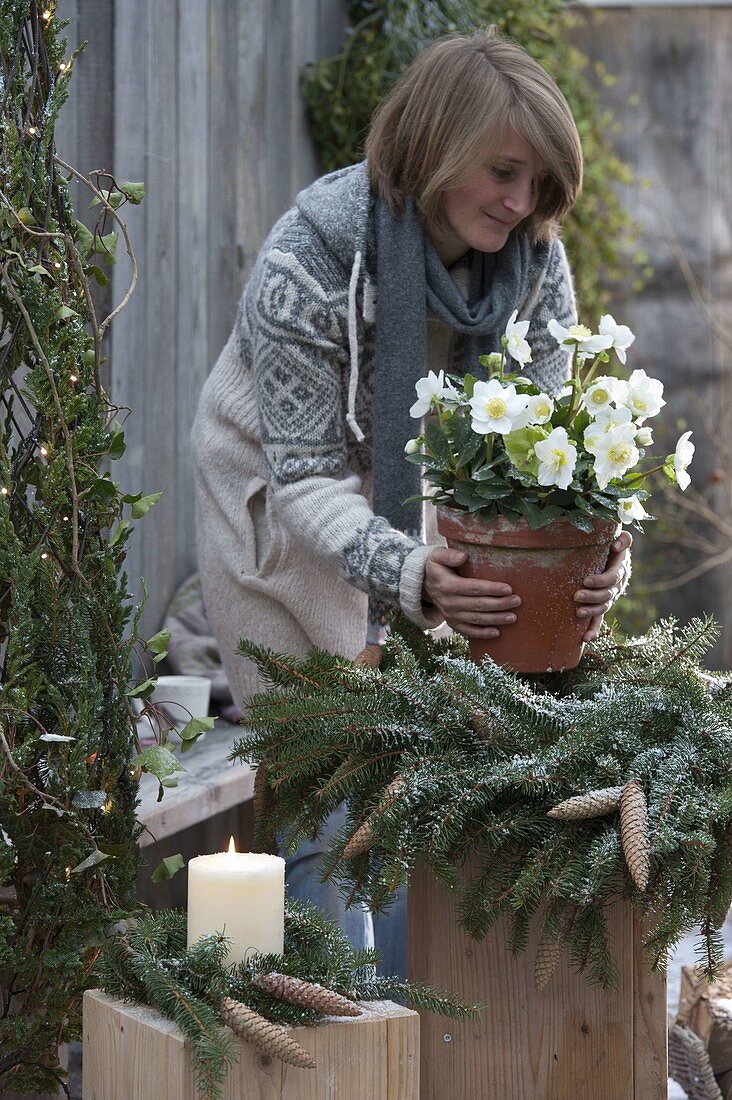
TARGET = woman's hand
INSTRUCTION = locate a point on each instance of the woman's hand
(603, 589)
(472, 607)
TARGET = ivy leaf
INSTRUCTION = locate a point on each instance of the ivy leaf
(168, 867)
(85, 241)
(142, 689)
(158, 761)
(193, 730)
(158, 645)
(106, 247)
(144, 504)
(113, 197)
(98, 274)
(116, 445)
(119, 532)
(102, 489)
(135, 192)
(96, 857)
(89, 800)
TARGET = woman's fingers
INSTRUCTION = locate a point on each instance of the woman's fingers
(593, 629)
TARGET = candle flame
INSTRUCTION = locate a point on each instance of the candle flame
(232, 846)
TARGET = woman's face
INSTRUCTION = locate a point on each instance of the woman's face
(483, 212)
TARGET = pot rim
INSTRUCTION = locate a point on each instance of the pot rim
(462, 526)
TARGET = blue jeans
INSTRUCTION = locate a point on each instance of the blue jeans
(386, 932)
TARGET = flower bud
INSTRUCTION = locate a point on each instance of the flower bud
(493, 361)
(411, 446)
(644, 437)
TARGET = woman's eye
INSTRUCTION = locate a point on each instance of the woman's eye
(500, 173)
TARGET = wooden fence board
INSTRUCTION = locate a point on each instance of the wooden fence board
(191, 209)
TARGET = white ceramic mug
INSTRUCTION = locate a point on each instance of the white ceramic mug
(182, 697)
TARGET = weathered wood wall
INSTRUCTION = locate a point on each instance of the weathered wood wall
(199, 98)
(672, 98)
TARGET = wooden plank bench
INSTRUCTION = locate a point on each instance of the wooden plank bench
(210, 785)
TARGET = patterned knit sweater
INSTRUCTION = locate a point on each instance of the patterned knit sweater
(297, 385)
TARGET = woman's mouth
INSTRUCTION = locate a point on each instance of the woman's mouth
(498, 221)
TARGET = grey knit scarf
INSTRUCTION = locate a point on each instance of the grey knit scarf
(410, 277)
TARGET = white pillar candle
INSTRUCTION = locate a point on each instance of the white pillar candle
(241, 894)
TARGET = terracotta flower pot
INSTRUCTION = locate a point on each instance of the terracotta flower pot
(545, 568)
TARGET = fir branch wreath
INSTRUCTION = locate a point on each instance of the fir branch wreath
(564, 791)
(319, 974)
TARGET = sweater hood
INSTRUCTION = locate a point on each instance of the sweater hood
(338, 206)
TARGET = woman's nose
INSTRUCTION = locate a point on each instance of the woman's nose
(520, 198)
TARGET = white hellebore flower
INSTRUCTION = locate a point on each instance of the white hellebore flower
(496, 408)
(588, 344)
(630, 508)
(616, 454)
(621, 335)
(644, 396)
(557, 457)
(429, 392)
(682, 458)
(603, 423)
(540, 408)
(516, 345)
(599, 395)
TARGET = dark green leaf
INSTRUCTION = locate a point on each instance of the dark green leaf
(168, 867)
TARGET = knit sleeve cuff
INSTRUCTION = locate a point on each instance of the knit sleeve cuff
(410, 590)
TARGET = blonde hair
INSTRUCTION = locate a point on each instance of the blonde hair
(447, 115)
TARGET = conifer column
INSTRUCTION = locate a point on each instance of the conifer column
(67, 788)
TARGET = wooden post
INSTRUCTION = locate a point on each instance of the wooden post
(131, 1052)
(569, 1042)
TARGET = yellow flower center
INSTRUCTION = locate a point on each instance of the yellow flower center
(580, 331)
(620, 455)
(559, 458)
(599, 397)
(496, 407)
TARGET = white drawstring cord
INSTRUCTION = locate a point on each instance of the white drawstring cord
(353, 348)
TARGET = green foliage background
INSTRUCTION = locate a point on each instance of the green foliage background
(342, 92)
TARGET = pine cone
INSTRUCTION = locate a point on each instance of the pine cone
(550, 951)
(363, 839)
(295, 991)
(483, 724)
(592, 804)
(270, 1038)
(634, 833)
(547, 957)
(370, 657)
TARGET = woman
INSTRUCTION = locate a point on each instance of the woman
(411, 260)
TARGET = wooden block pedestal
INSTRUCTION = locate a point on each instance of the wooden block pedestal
(570, 1042)
(131, 1052)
